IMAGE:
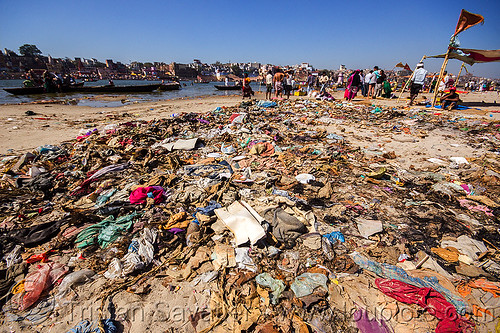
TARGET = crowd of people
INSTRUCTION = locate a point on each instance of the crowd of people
(281, 81)
(373, 84)
(480, 85)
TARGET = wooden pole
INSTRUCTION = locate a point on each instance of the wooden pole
(458, 76)
(409, 79)
(440, 77)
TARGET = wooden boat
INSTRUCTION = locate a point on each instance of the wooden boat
(169, 86)
(223, 87)
(40, 90)
(118, 89)
(79, 88)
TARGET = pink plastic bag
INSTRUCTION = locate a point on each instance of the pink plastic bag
(40, 280)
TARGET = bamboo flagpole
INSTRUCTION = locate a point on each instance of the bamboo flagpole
(440, 77)
(458, 76)
(409, 79)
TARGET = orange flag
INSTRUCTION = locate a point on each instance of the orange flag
(467, 20)
(400, 64)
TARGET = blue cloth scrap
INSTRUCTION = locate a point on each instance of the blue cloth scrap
(208, 210)
(86, 326)
(134, 246)
(266, 104)
(458, 107)
(334, 236)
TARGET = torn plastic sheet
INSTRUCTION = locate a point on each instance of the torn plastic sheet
(140, 254)
(277, 286)
(243, 221)
(305, 284)
(205, 277)
(180, 144)
(368, 227)
(466, 245)
(305, 178)
(243, 259)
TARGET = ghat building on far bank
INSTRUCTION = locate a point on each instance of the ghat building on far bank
(14, 66)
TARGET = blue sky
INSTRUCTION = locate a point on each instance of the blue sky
(359, 34)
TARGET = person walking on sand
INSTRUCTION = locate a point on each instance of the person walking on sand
(278, 84)
(417, 81)
(323, 80)
(379, 82)
(289, 84)
(368, 78)
(376, 74)
(269, 84)
(310, 83)
(362, 83)
(373, 83)
(353, 84)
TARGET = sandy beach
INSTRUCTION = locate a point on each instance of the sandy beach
(171, 299)
(55, 123)
(152, 181)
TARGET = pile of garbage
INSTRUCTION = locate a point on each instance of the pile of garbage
(252, 218)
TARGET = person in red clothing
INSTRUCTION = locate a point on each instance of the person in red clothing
(247, 90)
(353, 84)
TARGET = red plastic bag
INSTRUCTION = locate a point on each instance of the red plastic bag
(430, 300)
(40, 280)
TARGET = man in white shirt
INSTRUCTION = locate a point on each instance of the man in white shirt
(323, 80)
(269, 84)
(362, 82)
(289, 83)
(373, 82)
(417, 81)
(366, 83)
(448, 80)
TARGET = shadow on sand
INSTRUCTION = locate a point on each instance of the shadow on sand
(479, 104)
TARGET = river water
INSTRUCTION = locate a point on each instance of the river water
(187, 90)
